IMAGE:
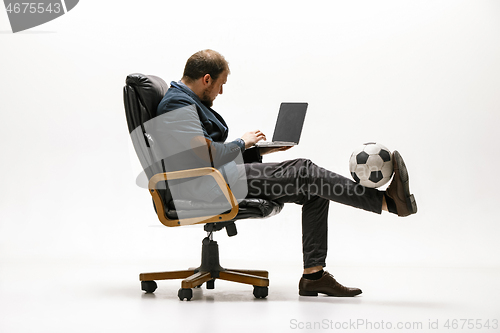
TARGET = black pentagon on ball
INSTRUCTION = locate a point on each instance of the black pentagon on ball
(362, 157)
(386, 156)
(355, 177)
(376, 176)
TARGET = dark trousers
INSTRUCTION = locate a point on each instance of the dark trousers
(302, 182)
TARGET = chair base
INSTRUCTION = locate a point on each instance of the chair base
(208, 272)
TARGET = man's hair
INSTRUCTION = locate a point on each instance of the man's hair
(205, 62)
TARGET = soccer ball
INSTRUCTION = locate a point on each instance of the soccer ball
(371, 165)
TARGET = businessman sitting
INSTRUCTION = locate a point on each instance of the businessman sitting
(299, 181)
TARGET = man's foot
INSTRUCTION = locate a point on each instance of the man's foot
(325, 285)
(399, 189)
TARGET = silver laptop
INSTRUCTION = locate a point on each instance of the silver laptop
(288, 126)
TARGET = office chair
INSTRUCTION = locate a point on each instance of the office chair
(142, 94)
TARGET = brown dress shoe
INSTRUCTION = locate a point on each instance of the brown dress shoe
(399, 189)
(325, 285)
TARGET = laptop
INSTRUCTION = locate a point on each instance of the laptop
(288, 126)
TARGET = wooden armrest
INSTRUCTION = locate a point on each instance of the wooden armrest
(160, 209)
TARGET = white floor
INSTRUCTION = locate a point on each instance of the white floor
(106, 297)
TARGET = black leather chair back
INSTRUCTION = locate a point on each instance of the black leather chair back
(141, 96)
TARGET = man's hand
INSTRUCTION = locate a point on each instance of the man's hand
(269, 150)
(251, 138)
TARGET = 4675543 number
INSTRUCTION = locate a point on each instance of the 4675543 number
(472, 324)
(33, 8)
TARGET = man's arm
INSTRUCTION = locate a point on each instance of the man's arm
(183, 121)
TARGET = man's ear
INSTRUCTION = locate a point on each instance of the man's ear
(207, 79)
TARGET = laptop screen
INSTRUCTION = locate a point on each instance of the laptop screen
(290, 121)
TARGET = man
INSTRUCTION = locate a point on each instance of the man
(299, 181)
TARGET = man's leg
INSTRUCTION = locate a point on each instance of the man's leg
(284, 182)
(302, 182)
(314, 248)
(301, 178)
(314, 233)
(264, 181)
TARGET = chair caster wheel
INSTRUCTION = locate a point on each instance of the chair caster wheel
(186, 293)
(210, 284)
(260, 292)
(149, 286)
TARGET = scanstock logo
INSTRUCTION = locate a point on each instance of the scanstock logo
(25, 15)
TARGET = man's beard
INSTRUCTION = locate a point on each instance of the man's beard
(205, 99)
(207, 103)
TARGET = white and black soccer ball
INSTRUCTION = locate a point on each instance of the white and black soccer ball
(371, 165)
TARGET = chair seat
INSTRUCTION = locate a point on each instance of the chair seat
(248, 208)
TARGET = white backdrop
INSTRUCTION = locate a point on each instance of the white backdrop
(420, 77)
